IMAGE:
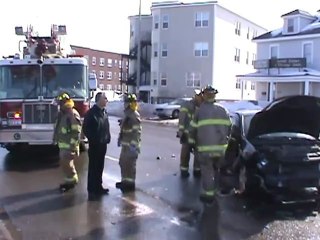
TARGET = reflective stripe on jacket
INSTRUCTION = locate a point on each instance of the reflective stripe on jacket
(67, 130)
(186, 113)
(210, 128)
(130, 130)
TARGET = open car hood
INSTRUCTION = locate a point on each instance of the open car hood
(300, 114)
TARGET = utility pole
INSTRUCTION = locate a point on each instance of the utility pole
(139, 53)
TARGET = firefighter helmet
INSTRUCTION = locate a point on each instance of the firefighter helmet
(63, 97)
(210, 89)
(130, 98)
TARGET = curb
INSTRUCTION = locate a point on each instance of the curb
(161, 123)
(167, 123)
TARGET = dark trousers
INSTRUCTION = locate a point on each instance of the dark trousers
(96, 154)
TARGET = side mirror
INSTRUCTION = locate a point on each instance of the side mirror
(93, 82)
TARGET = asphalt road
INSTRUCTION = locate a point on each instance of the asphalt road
(163, 207)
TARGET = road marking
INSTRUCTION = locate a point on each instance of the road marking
(111, 158)
(141, 209)
(4, 231)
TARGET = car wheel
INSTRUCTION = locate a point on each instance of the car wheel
(175, 114)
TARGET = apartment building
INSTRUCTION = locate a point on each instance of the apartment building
(144, 85)
(287, 60)
(112, 69)
(195, 44)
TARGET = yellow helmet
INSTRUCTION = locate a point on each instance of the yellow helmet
(131, 97)
(64, 99)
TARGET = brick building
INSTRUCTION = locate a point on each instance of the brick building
(111, 68)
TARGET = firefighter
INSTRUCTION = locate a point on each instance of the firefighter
(186, 114)
(209, 132)
(67, 135)
(129, 140)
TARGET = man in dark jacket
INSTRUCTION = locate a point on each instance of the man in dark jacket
(96, 128)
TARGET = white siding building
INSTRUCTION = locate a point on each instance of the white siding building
(287, 60)
(195, 44)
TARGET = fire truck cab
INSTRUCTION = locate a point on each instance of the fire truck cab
(29, 84)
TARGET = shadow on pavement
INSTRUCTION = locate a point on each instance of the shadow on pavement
(54, 203)
(94, 234)
(29, 162)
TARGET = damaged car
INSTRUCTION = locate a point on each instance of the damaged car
(279, 153)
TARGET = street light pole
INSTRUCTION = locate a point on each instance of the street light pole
(139, 53)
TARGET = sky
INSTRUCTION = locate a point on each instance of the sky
(104, 24)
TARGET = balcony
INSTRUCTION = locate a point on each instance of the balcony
(280, 63)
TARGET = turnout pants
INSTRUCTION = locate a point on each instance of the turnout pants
(96, 153)
(128, 162)
(185, 158)
(67, 158)
(209, 164)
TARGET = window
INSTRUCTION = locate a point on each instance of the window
(248, 33)
(163, 81)
(253, 58)
(156, 21)
(253, 86)
(109, 87)
(274, 52)
(247, 59)
(109, 62)
(290, 28)
(237, 55)
(238, 28)
(86, 57)
(127, 64)
(115, 63)
(101, 86)
(307, 52)
(164, 50)
(93, 61)
(201, 49)
(101, 75)
(120, 64)
(109, 75)
(131, 31)
(119, 87)
(119, 75)
(202, 19)
(93, 71)
(165, 21)
(101, 62)
(255, 33)
(115, 75)
(155, 78)
(155, 49)
(193, 79)
(238, 84)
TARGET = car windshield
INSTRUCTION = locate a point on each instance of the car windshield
(19, 81)
(246, 122)
(176, 102)
(64, 78)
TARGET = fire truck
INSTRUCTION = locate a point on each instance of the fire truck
(29, 84)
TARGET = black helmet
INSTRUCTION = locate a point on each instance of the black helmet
(210, 89)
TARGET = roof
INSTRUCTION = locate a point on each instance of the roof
(312, 28)
(285, 73)
(75, 46)
(177, 3)
(297, 12)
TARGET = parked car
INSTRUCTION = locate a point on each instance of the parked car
(279, 153)
(171, 109)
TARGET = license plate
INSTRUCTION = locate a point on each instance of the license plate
(14, 122)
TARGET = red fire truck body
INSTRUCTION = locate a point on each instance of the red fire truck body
(29, 85)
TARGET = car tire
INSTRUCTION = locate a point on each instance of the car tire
(175, 114)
